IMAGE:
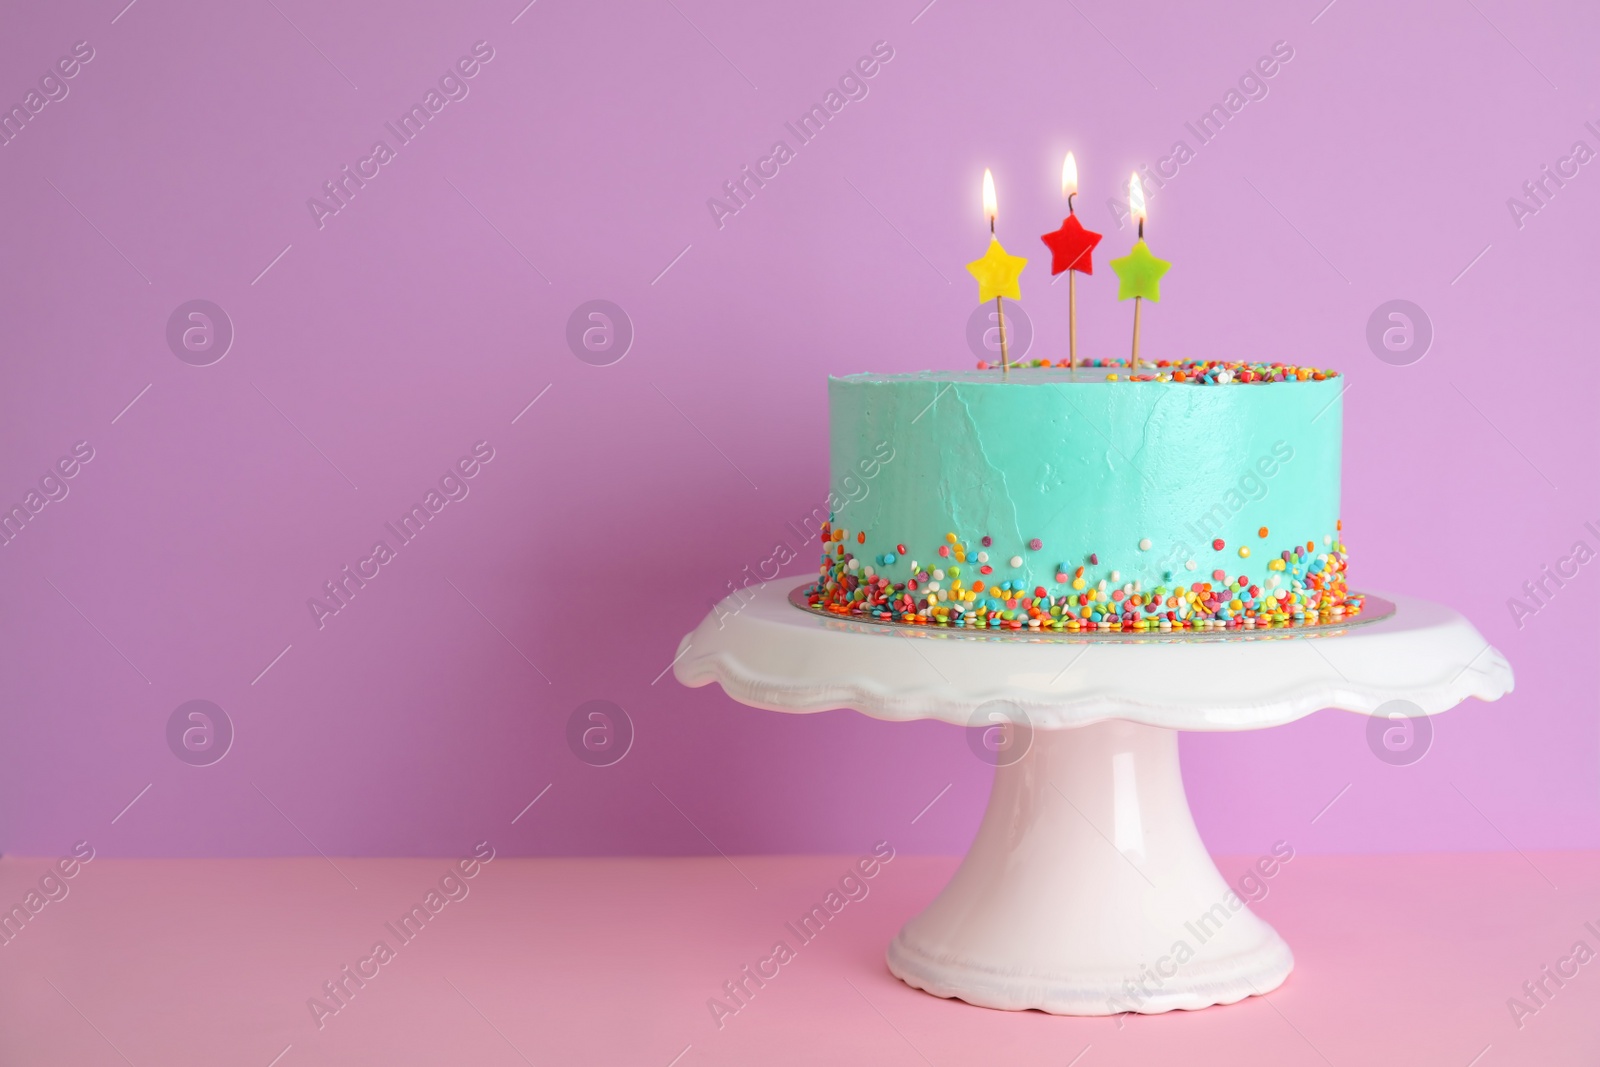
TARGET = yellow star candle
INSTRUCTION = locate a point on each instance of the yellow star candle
(1139, 272)
(997, 271)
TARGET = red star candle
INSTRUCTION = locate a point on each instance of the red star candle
(1071, 249)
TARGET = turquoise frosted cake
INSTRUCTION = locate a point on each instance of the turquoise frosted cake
(1200, 495)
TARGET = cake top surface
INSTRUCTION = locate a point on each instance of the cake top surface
(1175, 372)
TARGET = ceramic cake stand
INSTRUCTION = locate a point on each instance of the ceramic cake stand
(1087, 870)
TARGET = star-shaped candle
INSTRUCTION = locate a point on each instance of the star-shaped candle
(1071, 249)
(1139, 272)
(997, 271)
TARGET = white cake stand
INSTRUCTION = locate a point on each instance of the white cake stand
(1087, 872)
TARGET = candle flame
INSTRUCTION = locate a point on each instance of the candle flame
(1069, 175)
(990, 205)
(1136, 206)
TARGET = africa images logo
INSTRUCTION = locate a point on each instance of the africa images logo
(454, 485)
(452, 87)
(852, 86)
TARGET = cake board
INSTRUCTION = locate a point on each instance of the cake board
(1087, 872)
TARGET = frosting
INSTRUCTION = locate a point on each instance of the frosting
(1100, 501)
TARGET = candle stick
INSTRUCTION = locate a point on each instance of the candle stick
(1133, 357)
(1069, 188)
(997, 272)
(1005, 360)
(1072, 327)
(1071, 249)
(1139, 271)
(1136, 208)
(991, 208)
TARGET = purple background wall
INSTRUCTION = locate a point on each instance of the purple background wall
(426, 314)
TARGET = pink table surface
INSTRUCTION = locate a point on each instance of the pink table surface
(1400, 960)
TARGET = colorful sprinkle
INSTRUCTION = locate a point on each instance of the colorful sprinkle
(1144, 544)
(1303, 587)
(1218, 544)
(1035, 544)
(1195, 371)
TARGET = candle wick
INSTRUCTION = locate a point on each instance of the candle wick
(1070, 209)
(1141, 229)
(991, 225)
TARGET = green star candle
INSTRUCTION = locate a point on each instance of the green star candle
(1139, 272)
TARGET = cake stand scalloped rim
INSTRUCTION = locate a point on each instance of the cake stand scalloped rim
(770, 655)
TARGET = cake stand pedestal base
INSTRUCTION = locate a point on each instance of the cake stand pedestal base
(1088, 890)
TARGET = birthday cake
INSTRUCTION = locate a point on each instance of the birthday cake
(1190, 496)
